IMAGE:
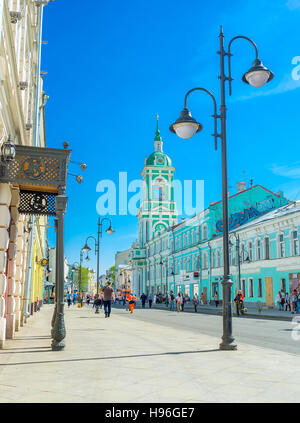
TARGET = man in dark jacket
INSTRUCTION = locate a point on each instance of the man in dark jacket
(144, 299)
(108, 296)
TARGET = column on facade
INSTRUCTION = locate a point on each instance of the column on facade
(5, 199)
(13, 290)
(20, 260)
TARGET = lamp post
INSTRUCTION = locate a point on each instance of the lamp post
(186, 126)
(240, 259)
(74, 269)
(86, 248)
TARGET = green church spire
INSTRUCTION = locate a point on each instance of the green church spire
(157, 134)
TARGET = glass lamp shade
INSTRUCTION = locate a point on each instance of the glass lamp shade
(87, 258)
(258, 75)
(83, 166)
(257, 79)
(8, 150)
(186, 126)
(86, 248)
(110, 230)
(185, 130)
(79, 179)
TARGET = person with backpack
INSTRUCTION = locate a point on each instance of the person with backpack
(179, 302)
(172, 301)
(132, 301)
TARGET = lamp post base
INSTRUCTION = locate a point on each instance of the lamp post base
(228, 347)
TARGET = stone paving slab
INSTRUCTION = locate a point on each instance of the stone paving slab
(122, 359)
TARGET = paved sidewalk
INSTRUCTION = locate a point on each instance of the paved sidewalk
(122, 359)
(266, 313)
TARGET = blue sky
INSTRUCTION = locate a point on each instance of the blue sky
(112, 66)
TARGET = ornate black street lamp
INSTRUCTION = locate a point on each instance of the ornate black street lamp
(86, 249)
(186, 126)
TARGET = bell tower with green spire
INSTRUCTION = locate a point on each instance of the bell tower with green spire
(157, 211)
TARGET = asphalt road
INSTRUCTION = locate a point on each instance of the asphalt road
(272, 334)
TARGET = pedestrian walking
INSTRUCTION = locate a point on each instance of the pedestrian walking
(132, 302)
(88, 299)
(278, 301)
(108, 296)
(143, 299)
(239, 302)
(172, 301)
(150, 300)
(216, 298)
(69, 299)
(202, 299)
(183, 302)
(179, 301)
(298, 301)
(287, 303)
(196, 302)
(294, 301)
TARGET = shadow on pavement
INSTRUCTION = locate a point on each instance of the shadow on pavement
(109, 358)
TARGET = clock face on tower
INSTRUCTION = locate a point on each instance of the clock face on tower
(160, 160)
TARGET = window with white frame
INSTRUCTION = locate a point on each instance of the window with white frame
(218, 258)
(205, 261)
(267, 248)
(193, 236)
(295, 243)
(250, 251)
(244, 287)
(250, 288)
(281, 246)
(259, 288)
(243, 253)
(258, 249)
(204, 231)
(213, 259)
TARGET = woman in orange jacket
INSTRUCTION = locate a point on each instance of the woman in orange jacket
(132, 302)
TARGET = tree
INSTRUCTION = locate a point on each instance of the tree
(112, 274)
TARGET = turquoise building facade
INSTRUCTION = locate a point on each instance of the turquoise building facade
(188, 256)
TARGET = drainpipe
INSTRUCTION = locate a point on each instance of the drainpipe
(28, 278)
(38, 72)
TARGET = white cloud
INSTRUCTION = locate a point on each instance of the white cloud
(293, 4)
(291, 171)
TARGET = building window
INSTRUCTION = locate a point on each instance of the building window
(281, 246)
(267, 248)
(250, 248)
(282, 285)
(259, 288)
(218, 258)
(205, 261)
(251, 291)
(213, 259)
(204, 231)
(244, 287)
(195, 289)
(258, 249)
(295, 243)
(187, 290)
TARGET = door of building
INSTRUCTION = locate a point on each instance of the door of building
(205, 295)
(269, 291)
